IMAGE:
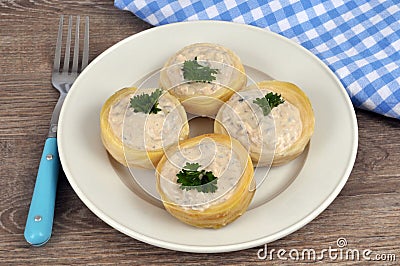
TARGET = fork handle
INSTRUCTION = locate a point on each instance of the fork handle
(39, 223)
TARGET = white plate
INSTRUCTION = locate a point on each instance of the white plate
(291, 196)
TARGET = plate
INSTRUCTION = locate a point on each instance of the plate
(291, 196)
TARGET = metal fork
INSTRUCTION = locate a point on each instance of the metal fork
(39, 222)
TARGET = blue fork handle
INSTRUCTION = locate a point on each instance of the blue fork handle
(39, 223)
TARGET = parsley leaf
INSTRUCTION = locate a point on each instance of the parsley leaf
(269, 101)
(192, 166)
(193, 71)
(202, 181)
(146, 103)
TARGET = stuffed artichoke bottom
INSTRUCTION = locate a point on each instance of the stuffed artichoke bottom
(227, 191)
(203, 76)
(138, 125)
(273, 134)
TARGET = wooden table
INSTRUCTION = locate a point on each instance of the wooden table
(366, 213)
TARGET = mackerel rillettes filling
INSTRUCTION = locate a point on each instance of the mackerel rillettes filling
(209, 55)
(146, 131)
(245, 121)
(220, 159)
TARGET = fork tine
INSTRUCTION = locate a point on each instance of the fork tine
(85, 58)
(76, 47)
(57, 55)
(68, 46)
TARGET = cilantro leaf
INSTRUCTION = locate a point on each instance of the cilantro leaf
(269, 101)
(192, 166)
(146, 103)
(202, 181)
(193, 71)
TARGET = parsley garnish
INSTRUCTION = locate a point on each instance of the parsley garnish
(269, 101)
(193, 71)
(190, 178)
(146, 103)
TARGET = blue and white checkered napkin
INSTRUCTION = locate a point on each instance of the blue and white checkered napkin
(358, 39)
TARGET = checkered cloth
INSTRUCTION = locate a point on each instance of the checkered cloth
(358, 39)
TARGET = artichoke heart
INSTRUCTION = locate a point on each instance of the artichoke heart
(136, 137)
(203, 76)
(274, 133)
(233, 189)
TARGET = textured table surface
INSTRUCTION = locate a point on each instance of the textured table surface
(366, 213)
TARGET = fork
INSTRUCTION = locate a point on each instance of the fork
(39, 222)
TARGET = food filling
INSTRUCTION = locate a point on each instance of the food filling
(214, 157)
(260, 133)
(144, 131)
(213, 57)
